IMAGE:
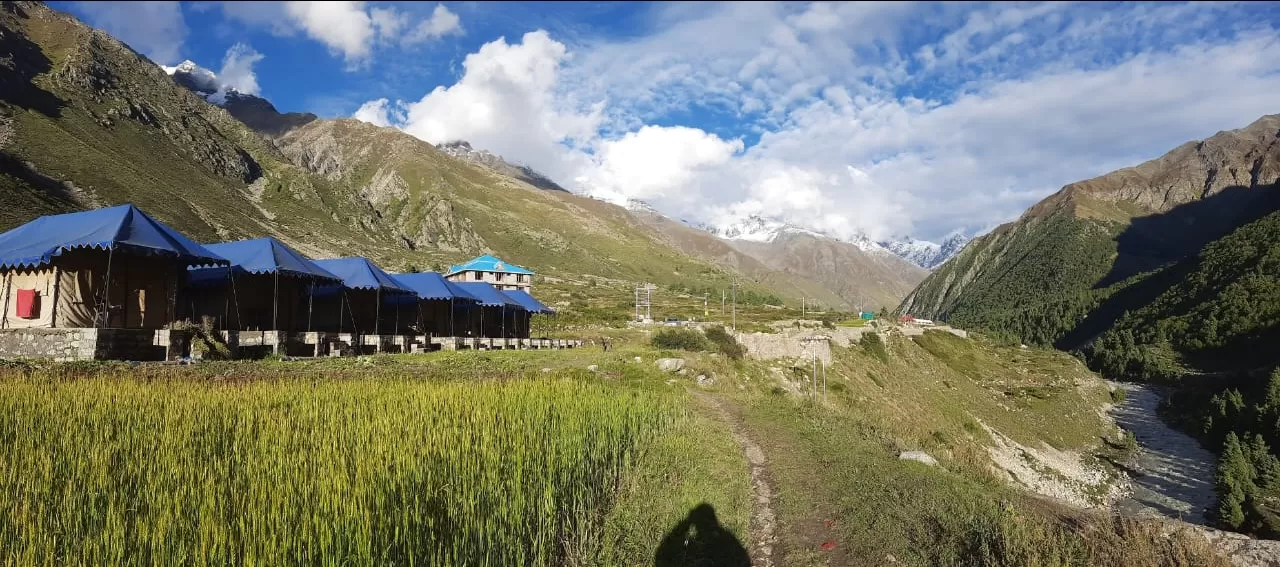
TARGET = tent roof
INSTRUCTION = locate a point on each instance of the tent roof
(431, 285)
(123, 227)
(269, 256)
(488, 263)
(532, 305)
(360, 273)
(488, 295)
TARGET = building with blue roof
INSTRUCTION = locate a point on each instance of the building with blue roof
(493, 271)
(110, 268)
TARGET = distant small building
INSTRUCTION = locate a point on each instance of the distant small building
(493, 271)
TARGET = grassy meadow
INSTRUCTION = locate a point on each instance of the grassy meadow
(109, 465)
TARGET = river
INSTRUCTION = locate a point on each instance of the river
(1173, 474)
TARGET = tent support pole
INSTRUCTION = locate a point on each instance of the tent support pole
(377, 312)
(4, 317)
(342, 298)
(235, 298)
(106, 289)
(311, 301)
(275, 303)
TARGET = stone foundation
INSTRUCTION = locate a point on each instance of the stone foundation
(94, 344)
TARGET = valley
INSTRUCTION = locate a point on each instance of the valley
(1098, 386)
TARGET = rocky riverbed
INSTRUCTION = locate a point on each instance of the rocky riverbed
(1171, 477)
(1171, 474)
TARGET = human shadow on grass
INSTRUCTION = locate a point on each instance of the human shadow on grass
(700, 540)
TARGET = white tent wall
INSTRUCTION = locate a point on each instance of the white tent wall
(42, 281)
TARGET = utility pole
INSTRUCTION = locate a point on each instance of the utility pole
(705, 297)
(722, 302)
(735, 305)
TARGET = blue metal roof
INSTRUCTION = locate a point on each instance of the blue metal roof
(123, 227)
(431, 285)
(360, 273)
(488, 263)
(264, 256)
(530, 304)
(488, 295)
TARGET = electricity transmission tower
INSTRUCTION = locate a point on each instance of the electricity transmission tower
(644, 299)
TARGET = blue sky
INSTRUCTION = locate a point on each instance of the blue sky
(881, 119)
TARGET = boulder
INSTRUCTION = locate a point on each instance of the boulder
(919, 457)
(670, 364)
(704, 380)
(592, 368)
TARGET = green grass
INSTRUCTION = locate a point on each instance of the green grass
(836, 469)
(463, 458)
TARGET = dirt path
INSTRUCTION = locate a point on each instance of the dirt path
(764, 521)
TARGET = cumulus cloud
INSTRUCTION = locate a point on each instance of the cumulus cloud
(156, 29)
(507, 102)
(236, 74)
(441, 23)
(379, 112)
(351, 30)
(655, 162)
(878, 120)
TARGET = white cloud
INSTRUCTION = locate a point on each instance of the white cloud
(156, 29)
(352, 30)
(441, 23)
(655, 162)
(345, 27)
(237, 69)
(506, 102)
(379, 112)
(875, 119)
(237, 73)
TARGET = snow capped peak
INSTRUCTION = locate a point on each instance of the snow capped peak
(926, 254)
(638, 206)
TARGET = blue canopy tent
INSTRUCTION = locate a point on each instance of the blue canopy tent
(531, 307)
(113, 267)
(363, 287)
(255, 274)
(435, 294)
(491, 302)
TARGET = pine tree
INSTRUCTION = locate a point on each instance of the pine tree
(1233, 483)
(1265, 465)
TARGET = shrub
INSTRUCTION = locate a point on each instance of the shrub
(725, 343)
(680, 339)
(871, 343)
(1118, 396)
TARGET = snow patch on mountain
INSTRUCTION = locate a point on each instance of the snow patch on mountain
(462, 149)
(757, 228)
(924, 253)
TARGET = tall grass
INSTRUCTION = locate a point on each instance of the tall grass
(114, 470)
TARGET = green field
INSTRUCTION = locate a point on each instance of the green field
(530, 458)
(165, 469)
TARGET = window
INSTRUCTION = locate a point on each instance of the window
(520, 278)
(478, 275)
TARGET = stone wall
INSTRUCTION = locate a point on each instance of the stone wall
(93, 344)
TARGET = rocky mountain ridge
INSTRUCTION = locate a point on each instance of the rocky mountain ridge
(463, 150)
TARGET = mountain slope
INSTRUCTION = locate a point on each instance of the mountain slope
(702, 244)
(92, 122)
(864, 280)
(1073, 263)
(463, 150)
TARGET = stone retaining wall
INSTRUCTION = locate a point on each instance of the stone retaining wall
(93, 344)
